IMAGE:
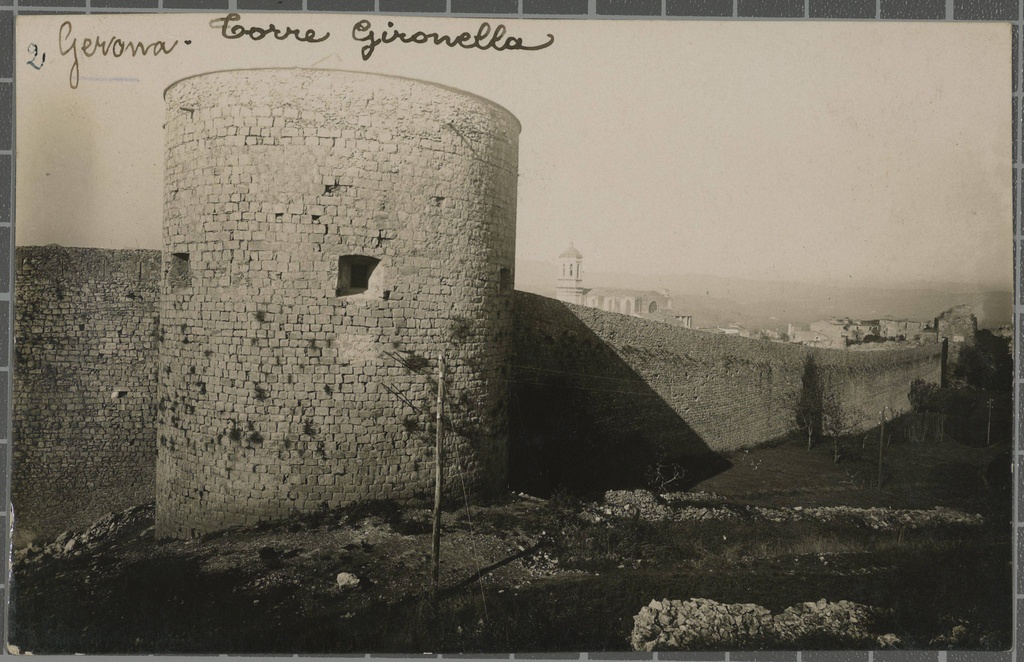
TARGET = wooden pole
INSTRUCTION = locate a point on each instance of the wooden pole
(881, 447)
(435, 561)
(988, 437)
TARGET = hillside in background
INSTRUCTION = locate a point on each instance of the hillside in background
(716, 300)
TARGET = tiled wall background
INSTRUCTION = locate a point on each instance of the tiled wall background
(897, 10)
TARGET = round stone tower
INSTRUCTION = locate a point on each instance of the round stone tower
(327, 234)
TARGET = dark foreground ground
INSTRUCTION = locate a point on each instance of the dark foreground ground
(567, 573)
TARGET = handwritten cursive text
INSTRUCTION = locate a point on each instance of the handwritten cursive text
(112, 47)
(229, 31)
(484, 39)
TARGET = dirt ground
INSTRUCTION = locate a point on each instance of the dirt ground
(567, 573)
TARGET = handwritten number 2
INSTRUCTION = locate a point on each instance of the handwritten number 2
(34, 50)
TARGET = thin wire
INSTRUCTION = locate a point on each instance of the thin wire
(472, 534)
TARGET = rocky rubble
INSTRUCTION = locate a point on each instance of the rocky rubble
(703, 506)
(346, 580)
(966, 636)
(701, 624)
(69, 543)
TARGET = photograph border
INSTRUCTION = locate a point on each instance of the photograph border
(1006, 11)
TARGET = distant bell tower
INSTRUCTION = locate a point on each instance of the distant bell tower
(570, 277)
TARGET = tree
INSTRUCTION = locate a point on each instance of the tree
(809, 405)
(819, 410)
(922, 395)
(835, 422)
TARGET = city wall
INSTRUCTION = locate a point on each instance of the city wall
(599, 398)
(84, 436)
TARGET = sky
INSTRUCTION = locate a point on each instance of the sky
(842, 152)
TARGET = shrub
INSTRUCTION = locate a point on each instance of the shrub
(665, 477)
(987, 364)
(922, 395)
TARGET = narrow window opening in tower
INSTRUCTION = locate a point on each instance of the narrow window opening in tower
(570, 269)
(179, 275)
(360, 276)
(354, 274)
(504, 280)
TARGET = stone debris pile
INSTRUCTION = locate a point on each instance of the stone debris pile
(681, 507)
(883, 519)
(701, 624)
(69, 543)
(965, 636)
(625, 503)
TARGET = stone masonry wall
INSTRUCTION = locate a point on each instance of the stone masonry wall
(80, 453)
(959, 327)
(281, 390)
(620, 393)
(85, 329)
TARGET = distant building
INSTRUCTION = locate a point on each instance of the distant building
(733, 330)
(860, 330)
(902, 330)
(840, 332)
(570, 281)
(669, 317)
(834, 333)
(728, 330)
(805, 336)
(958, 325)
(628, 302)
(638, 303)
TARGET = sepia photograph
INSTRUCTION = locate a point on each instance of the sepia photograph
(353, 334)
